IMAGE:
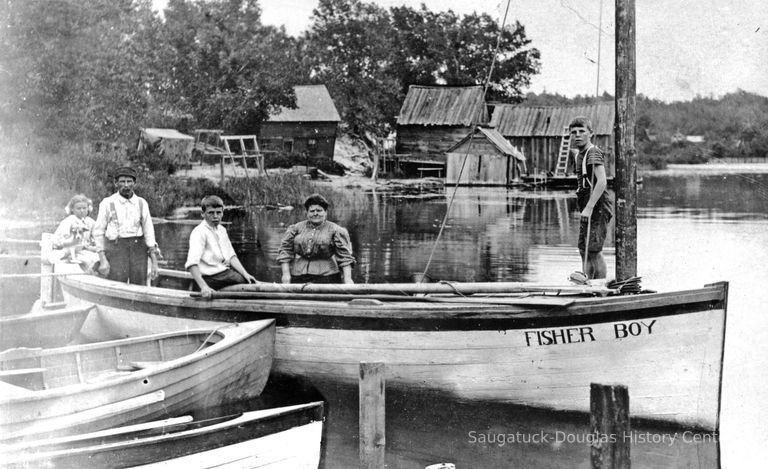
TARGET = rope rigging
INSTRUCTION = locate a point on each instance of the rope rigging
(473, 126)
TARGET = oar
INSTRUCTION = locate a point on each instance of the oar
(459, 288)
(539, 300)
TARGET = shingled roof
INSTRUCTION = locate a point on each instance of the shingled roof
(549, 121)
(443, 105)
(313, 104)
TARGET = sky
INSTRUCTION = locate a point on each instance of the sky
(685, 48)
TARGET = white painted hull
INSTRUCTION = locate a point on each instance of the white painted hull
(672, 374)
(297, 448)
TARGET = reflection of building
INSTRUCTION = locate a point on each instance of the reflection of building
(310, 128)
(538, 131)
(432, 119)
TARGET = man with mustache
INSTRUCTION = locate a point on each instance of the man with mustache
(124, 234)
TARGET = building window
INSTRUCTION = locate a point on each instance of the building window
(312, 145)
(288, 145)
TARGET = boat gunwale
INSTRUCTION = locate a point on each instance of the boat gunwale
(312, 412)
(587, 306)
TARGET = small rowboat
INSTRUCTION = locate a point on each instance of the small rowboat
(99, 385)
(525, 344)
(285, 437)
(52, 328)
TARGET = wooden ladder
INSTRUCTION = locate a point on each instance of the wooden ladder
(565, 150)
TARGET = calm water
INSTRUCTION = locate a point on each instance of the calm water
(692, 229)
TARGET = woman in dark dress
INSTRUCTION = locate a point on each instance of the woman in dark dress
(316, 250)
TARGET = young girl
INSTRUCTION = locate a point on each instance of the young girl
(73, 239)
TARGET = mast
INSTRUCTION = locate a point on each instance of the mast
(624, 129)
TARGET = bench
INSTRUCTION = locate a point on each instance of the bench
(430, 169)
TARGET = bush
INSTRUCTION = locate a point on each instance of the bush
(168, 193)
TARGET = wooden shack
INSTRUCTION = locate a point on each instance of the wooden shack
(538, 131)
(311, 128)
(433, 119)
(490, 160)
(167, 143)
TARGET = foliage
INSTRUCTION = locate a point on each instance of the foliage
(368, 56)
(276, 189)
(347, 47)
(77, 69)
(167, 192)
(226, 68)
(442, 47)
(735, 125)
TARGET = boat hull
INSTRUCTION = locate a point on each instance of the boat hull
(286, 437)
(235, 368)
(667, 348)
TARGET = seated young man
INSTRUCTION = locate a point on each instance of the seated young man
(211, 259)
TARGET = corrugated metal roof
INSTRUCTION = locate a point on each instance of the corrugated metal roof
(548, 121)
(443, 105)
(496, 139)
(313, 104)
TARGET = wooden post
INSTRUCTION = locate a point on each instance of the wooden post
(47, 280)
(609, 424)
(376, 152)
(222, 171)
(624, 129)
(372, 436)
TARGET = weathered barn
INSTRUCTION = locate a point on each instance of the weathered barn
(538, 131)
(433, 119)
(490, 160)
(311, 128)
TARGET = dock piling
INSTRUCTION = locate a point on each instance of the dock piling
(371, 425)
(47, 280)
(609, 417)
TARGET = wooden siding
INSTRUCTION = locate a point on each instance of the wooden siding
(485, 165)
(541, 152)
(275, 135)
(431, 141)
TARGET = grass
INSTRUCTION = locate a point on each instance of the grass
(39, 180)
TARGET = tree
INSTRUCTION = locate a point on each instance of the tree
(226, 68)
(79, 69)
(348, 49)
(368, 56)
(444, 48)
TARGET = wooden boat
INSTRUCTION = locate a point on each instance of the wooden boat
(285, 437)
(51, 328)
(99, 385)
(536, 349)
